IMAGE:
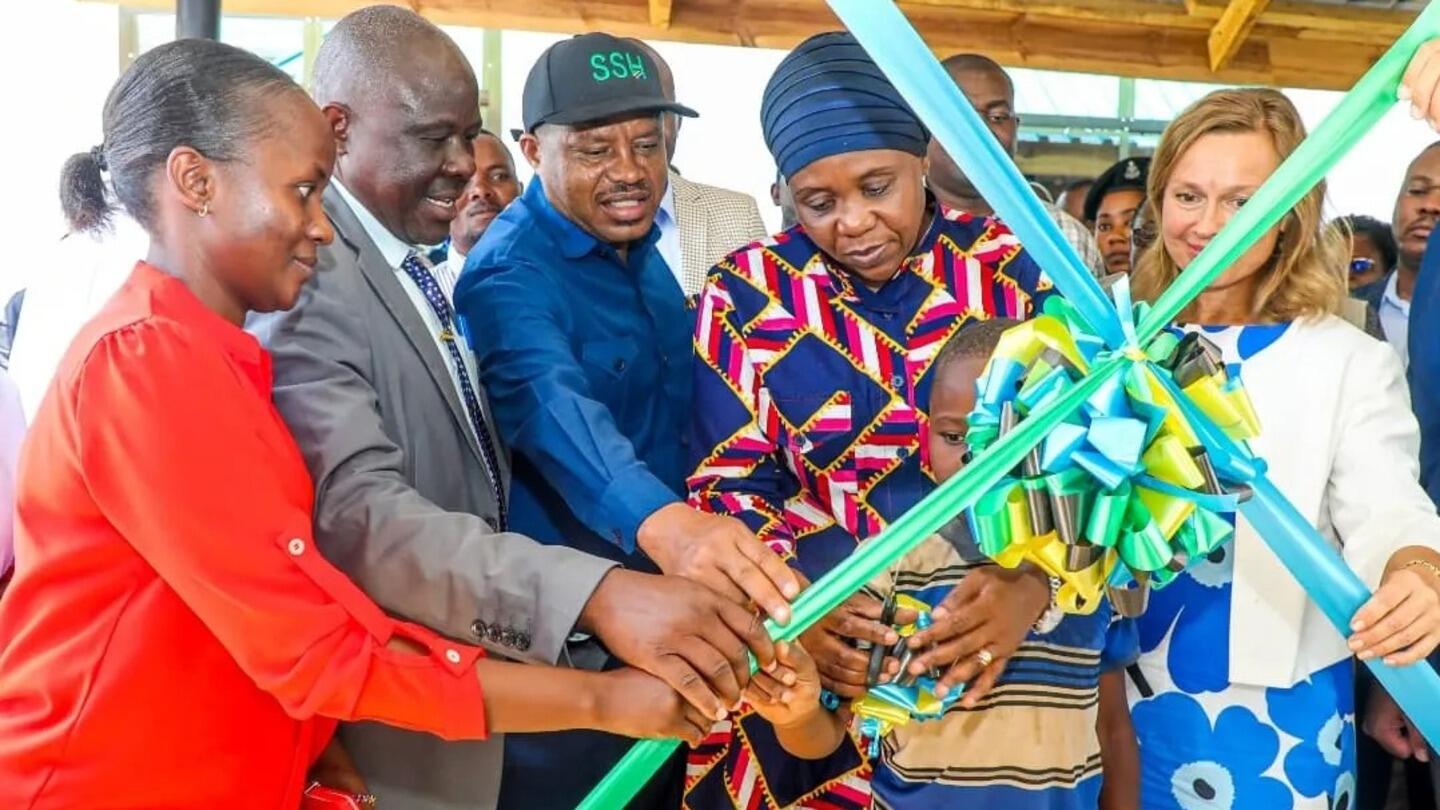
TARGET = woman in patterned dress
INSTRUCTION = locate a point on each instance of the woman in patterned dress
(1242, 697)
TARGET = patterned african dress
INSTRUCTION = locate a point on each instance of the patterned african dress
(1208, 744)
(810, 427)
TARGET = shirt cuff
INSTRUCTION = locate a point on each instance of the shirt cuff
(445, 681)
(628, 501)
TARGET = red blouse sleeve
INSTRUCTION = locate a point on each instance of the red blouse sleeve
(174, 458)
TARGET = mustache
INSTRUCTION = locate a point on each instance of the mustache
(632, 190)
(482, 206)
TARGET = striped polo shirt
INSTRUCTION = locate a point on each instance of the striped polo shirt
(1031, 743)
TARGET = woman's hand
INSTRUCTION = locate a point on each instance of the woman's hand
(1401, 622)
(1421, 84)
(978, 626)
(636, 704)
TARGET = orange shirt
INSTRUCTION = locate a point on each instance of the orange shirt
(172, 638)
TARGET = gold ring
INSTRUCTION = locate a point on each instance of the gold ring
(985, 657)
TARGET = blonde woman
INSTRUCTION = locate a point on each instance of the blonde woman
(1242, 697)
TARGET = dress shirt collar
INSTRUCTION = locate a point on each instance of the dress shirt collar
(1392, 295)
(574, 241)
(392, 248)
(666, 213)
(170, 298)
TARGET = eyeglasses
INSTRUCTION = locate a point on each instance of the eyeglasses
(1361, 265)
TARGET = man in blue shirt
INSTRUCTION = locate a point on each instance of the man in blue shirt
(584, 343)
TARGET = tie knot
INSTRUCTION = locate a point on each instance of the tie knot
(428, 258)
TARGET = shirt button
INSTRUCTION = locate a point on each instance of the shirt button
(889, 316)
(897, 381)
(619, 365)
(452, 656)
(296, 547)
(903, 453)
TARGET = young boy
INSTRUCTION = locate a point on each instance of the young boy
(1038, 740)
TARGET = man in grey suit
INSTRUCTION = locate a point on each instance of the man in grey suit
(385, 405)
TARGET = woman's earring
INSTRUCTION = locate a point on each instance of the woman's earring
(205, 209)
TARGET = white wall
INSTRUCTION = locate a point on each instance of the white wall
(59, 58)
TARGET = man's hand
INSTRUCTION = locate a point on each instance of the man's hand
(1389, 726)
(721, 553)
(978, 626)
(682, 633)
(842, 667)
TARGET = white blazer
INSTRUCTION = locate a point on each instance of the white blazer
(1340, 441)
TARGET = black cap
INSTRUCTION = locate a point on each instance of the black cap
(592, 77)
(1130, 173)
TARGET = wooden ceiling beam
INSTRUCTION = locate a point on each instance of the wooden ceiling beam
(660, 13)
(1317, 16)
(1147, 13)
(1231, 30)
(1079, 35)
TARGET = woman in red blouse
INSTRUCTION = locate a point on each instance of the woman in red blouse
(171, 638)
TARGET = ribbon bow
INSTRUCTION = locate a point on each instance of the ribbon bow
(1120, 496)
(889, 705)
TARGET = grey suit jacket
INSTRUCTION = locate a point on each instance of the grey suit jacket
(403, 505)
(713, 222)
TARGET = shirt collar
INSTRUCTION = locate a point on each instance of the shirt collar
(575, 242)
(1392, 294)
(391, 247)
(667, 204)
(170, 298)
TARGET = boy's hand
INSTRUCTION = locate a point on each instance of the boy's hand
(791, 694)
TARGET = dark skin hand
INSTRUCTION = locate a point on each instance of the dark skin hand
(992, 609)
(842, 667)
(681, 632)
(1119, 750)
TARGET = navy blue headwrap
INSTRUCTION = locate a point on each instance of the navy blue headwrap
(828, 98)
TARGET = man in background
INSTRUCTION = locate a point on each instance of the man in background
(492, 187)
(699, 224)
(1416, 209)
(989, 89)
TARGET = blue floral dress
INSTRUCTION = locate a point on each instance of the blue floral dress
(1208, 744)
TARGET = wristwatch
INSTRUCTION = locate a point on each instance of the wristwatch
(1050, 619)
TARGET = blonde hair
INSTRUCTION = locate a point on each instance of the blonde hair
(1306, 275)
